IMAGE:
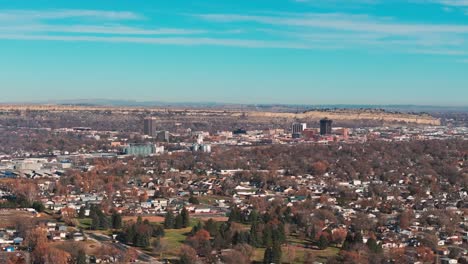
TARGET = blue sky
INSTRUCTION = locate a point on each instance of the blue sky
(242, 51)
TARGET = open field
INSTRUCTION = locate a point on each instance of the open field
(151, 219)
(84, 223)
(90, 247)
(174, 239)
(10, 217)
(160, 219)
(300, 254)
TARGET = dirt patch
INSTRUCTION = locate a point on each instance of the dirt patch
(152, 219)
(10, 217)
(215, 218)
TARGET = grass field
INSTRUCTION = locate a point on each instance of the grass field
(90, 247)
(174, 239)
(300, 254)
(10, 217)
(84, 223)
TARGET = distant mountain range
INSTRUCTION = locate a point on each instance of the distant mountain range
(263, 107)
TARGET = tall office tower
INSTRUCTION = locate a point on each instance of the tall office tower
(326, 126)
(150, 127)
(297, 128)
(163, 136)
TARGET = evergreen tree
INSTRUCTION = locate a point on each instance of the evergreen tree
(158, 231)
(282, 233)
(142, 240)
(95, 221)
(218, 241)
(130, 234)
(116, 221)
(81, 212)
(266, 217)
(185, 259)
(193, 200)
(373, 246)
(323, 242)
(253, 216)
(358, 237)
(276, 254)
(278, 233)
(81, 258)
(349, 241)
(169, 221)
(104, 222)
(267, 237)
(196, 228)
(211, 227)
(240, 238)
(288, 215)
(254, 238)
(179, 222)
(235, 215)
(38, 206)
(185, 217)
(268, 256)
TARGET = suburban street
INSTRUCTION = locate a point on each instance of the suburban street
(142, 257)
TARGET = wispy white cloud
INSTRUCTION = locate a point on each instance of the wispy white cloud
(93, 29)
(335, 3)
(358, 31)
(461, 3)
(186, 41)
(67, 13)
(341, 22)
(275, 30)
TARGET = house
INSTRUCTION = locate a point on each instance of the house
(10, 249)
(78, 236)
(448, 261)
(18, 240)
(202, 210)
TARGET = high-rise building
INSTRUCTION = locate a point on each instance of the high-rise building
(163, 136)
(297, 128)
(326, 126)
(143, 149)
(150, 127)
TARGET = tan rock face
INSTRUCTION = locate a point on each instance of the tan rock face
(338, 115)
(355, 115)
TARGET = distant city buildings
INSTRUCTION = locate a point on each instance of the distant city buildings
(309, 133)
(149, 127)
(162, 136)
(239, 131)
(297, 128)
(201, 147)
(143, 149)
(326, 126)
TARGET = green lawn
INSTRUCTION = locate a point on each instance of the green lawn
(84, 223)
(300, 253)
(174, 239)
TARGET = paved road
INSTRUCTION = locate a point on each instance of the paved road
(142, 257)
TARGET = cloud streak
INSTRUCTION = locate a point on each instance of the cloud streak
(115, 30)
(353, 31)
(273, 30)
(340, 22)
(22, 15)
(185, 41)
